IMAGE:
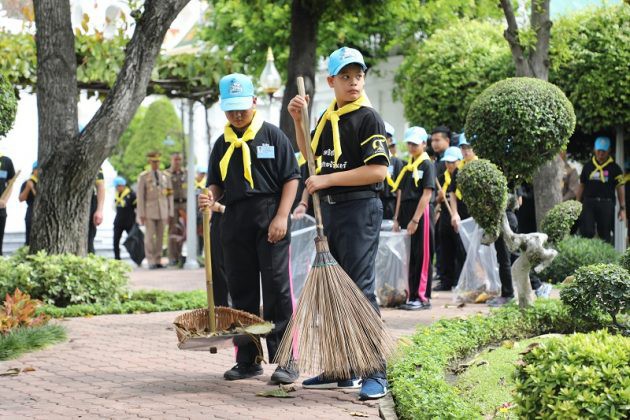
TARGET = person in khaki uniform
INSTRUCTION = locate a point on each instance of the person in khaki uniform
(155, 208)
(177, 226)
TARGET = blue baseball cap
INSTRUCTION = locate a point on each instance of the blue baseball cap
(119, 180)
(237, 92)
(416, 135)
(342, 57)
(602, 143)
(35, 166)
(452, 154)
(201, 169)
(462, 140)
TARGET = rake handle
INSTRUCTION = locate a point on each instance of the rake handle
(310, 158)
(208, 266)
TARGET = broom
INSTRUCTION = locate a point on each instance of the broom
(334, 330)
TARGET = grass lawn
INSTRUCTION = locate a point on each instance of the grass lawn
(22, 340)
(486, 379)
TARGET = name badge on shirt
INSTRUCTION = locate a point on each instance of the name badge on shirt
(3, 174)
(417, 175)
(266, 152)
(390, 170)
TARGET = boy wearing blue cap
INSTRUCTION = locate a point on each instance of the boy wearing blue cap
(414, 212)
(125, 202)
(350, 138)
(254, 172)
(27, 193)
(599, 180)
(395, 166)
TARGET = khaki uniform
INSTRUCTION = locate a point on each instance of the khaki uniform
(155, 204)
(177, 225)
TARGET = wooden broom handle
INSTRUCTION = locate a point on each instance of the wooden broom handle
(10, 185)
(208, 266)
(448, 205)
(310, 158)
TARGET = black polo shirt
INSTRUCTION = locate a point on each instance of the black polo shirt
(362, 138)
(126, 210)
(270, 171)
(394, 168)
(426, 179)
(462, 209)
(7, 172)
(593, 185)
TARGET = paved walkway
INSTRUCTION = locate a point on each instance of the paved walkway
(128, 366)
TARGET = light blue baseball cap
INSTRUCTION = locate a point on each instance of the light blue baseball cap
(35, 166)
(119, 180)
(342, 57)
(237, 92)
(452, 154)
(462, 140)
(602, 143)
(201, 169)
(416, 135)
(389, 129)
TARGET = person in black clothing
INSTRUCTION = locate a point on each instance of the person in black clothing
(7, 172)
(125, 201)
(393, 170)
(96, 208)
(253, 170)
(27, 193)
(440, 141)
(599, 180)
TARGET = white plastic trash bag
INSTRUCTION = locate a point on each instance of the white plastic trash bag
(302, 251)
(392, 266)
(479, 280)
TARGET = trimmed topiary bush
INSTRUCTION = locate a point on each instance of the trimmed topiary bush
(8, 106)
(597, 290)
(573, 253)
(484, 190)
(575, 377)
(560, 219)
(519, 124)
(624, 261)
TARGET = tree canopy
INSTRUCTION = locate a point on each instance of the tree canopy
(8, 106)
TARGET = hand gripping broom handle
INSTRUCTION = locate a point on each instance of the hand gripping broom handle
(208, 266)
(448, 205)
(310, 158)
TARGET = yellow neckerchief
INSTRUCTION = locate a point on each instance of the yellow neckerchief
(333, 115)
(120, 197)
(600, 168)
(318, 163)
(411, 166)
(34, 178)
(200, 184)
(236, 143)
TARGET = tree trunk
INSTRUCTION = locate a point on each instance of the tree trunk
(302, 59)
(547, 187)
(70, 160)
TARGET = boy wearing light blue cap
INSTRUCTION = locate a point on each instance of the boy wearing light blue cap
(125, 202)
(350, 139)
(253, 171)
(393, 170)
(599, 180)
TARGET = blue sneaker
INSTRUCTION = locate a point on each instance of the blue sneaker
(321, 382)
(373, 388)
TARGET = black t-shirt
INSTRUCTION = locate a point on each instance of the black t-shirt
(31, 196)
(394, 168)
(593, 185)
(362, 138)
(426, 179)
(125, 208)
(7, 172)
(462, 210)
(270, 171)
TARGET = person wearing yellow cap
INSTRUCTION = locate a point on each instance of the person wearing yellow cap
(253, 171)
(601, 177)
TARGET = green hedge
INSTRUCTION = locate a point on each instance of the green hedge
(580, 376)
(624, 261)
(417, 375)
(64, 279)
(22, 340)
(575, 252)
(558, 221)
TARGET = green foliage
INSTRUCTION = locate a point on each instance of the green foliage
(18, 311)
(484, 190)
(519, 124)
(160, 121)
(624, 261)
(8, 106)
(590, 53)
(598, 289)
(138, 302)
(585, 376)
(118, 155)
(64, 279)
(560, 219)
(440, 78)
(417, 374)
(22, 340)
(574, 252)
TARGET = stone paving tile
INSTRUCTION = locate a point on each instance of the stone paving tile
(128, 366)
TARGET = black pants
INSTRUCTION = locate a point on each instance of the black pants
(91, 226)
(422, 250)
(250, 258)
(505, 258)
(600, 215)
(3, 224)
(119, 228)
(453, 252)
(28, 221)
(352, 228)
(219, 278)
(389, 207)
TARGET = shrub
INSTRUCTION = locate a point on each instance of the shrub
(579, 376)
(560, 219)
(8, 106)
(624, 261)
(484, 190)
(19, 311)
(574, 252)
(21, 340)
(598, 289)
(519, 124)
(65, 279)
